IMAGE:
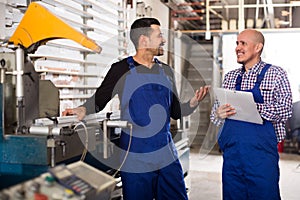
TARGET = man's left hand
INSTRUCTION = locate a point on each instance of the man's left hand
(199, 96)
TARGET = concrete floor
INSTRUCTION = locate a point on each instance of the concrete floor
(205, 176)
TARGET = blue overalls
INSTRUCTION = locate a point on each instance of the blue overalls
(250, 167)
(152, 169)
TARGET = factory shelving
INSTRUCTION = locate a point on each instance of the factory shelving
(72, 9)
(62, 43)
(74, 96)
(77, 86)
(64, 59)
(41, 69)
(101, 22)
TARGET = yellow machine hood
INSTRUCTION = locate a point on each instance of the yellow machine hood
(39, 24)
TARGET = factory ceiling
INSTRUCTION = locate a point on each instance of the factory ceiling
(196, 14)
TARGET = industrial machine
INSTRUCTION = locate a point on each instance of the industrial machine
(33, 139)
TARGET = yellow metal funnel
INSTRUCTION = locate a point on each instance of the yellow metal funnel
(39, 24)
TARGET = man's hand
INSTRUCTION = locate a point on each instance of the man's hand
(199, 96)
(79, 111)
(225, 111)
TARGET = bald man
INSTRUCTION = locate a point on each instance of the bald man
(250, 155)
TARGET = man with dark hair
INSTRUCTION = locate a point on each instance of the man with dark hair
(141, 27)
(148, 97)
(250, 167)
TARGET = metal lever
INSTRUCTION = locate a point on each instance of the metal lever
(63, 144)
(106, 134)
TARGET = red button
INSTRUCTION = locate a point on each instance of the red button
(38, 196)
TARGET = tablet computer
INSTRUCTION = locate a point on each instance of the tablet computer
(242, 101)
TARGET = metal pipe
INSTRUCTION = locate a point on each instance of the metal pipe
(192, 4)
(105, 140)
(51, 145)
(52, 159)
(256, 12)
(217, 14)
(19, 73)
(256, 6)
(117, 123)
(226, 9)
(207, 33)
(2, 74)
(188, 11)
(291, 17)
(20, 87)
(270, 13)
(187, 18)
(44, 130)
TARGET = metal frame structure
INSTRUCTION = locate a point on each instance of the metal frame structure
(222, 9)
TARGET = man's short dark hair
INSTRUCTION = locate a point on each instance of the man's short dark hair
(140, 27)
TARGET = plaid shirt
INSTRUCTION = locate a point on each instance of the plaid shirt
(276, 92)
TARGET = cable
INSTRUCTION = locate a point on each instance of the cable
(86, 144)
(127, 151)
(86, 139)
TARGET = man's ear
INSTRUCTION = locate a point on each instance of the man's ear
(143, 41)
(259, 47)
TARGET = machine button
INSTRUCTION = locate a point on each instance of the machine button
(49, 181)
(68, 193)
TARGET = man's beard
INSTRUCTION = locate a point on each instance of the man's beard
(160, 51)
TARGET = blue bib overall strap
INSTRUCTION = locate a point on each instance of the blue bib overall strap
(250, 168)
(257, 98)
(130, 62)
(151, 170)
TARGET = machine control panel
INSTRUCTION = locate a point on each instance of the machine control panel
(76, 181)
(68, 179)
(44, 187)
